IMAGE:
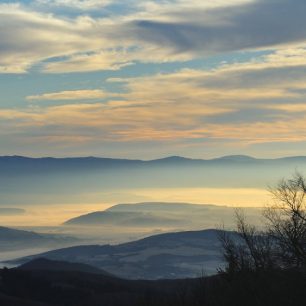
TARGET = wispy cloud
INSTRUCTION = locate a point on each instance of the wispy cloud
(187, 104)
(71, 95)
(86, 5)
(29, 37)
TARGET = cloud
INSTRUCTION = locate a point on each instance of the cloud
(95, 123)
(177, 107)
(71, 95)
(102, 60)
(113, 59)
(86, 5)
(290, 108)
(74, 44)
(29, 37)
(253, 25)
(275, 77)
(156, 32)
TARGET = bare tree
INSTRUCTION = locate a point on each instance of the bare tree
(287, 220)
(251, 249)
(283, 243)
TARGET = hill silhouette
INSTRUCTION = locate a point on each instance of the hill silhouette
(44, 264)
(170, 255)
(15, 239)
(156, 215)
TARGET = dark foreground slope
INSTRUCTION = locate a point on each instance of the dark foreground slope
(75, 288)
(72, 288)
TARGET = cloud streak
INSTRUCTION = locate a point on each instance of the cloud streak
(84, 5)
(70, 95)
(188, 104)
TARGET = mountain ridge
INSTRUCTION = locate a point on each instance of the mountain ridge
(27, 180)
(167, 158)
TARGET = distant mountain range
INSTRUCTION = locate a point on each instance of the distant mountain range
(70, 163)
(20, 165)
(171, 255)
(25, 181)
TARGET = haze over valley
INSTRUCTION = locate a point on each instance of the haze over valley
(53, 190)
(54, 203)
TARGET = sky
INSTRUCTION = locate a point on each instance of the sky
(147, 79)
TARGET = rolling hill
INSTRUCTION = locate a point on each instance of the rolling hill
(13, 239)
(126, 218)
(171, 255)
(158, 215)
(43, 264)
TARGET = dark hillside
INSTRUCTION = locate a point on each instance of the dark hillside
(68, 288)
